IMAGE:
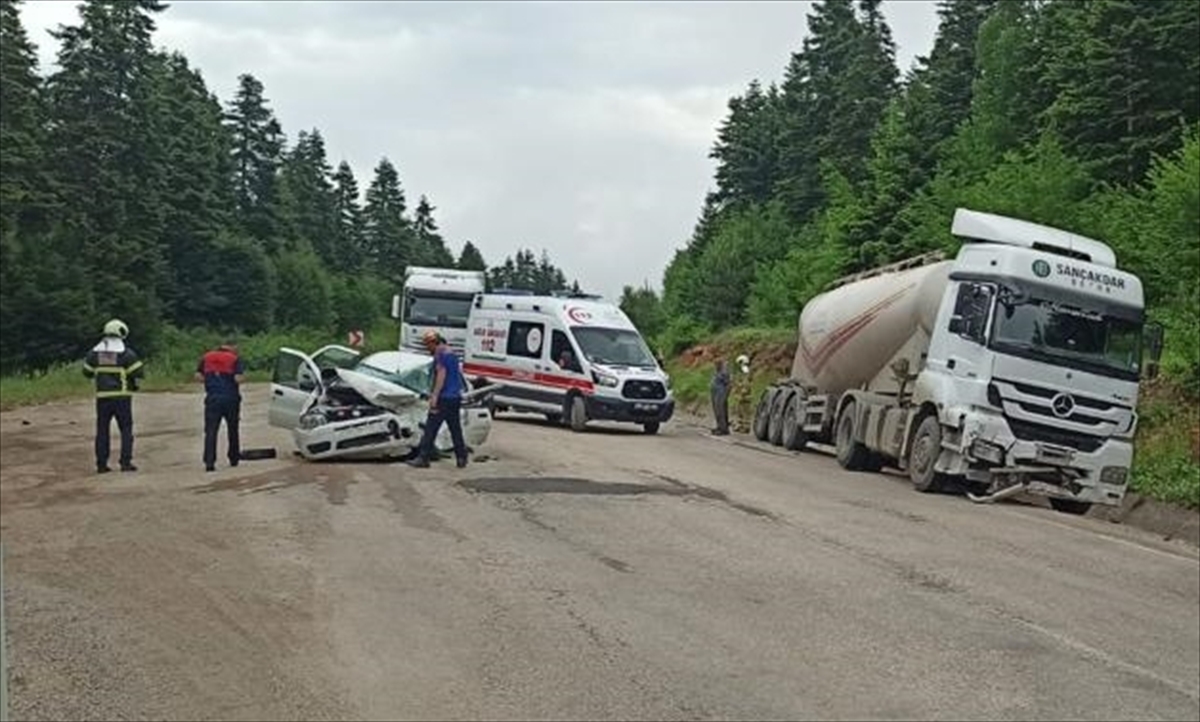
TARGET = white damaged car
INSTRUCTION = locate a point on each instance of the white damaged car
(339, 404)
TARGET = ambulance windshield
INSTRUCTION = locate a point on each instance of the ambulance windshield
(613, 346)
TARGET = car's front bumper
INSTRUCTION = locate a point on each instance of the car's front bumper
(385, 436)
(637, 411)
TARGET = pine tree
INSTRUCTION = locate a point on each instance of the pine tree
(23, 185)
(471, 259)
(746, 148)
(108, 154)
(1126, 73)
(350, 249)
(388, 232)
(258, 144)
(309, 199)
(197, 196)
(431, 248)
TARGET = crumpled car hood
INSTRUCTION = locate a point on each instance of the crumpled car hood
(378, 392)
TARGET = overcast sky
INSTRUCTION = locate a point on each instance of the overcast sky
(581, 128)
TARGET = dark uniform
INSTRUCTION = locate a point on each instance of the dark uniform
(117, 369)
(445, 404)
(719, 391)
(220, 370)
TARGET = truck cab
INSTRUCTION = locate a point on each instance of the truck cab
(1034, 362)
(437, 299)
(573, 359)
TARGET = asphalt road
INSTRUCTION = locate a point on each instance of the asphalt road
(605, 575)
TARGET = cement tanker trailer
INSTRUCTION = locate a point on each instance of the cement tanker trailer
(1013, 367)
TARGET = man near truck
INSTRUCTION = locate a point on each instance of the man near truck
(445, 402)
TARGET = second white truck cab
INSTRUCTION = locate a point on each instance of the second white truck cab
(571, 358)
(437, 299)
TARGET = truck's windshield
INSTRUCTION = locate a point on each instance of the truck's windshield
(1078, 337)
(449, 310)
(613, 346)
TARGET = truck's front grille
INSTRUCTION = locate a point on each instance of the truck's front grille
(1029, 431)
(641, 389)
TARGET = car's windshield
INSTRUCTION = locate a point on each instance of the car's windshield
(416, 377)
(1099, 343)
(448, 310)
(613, 346)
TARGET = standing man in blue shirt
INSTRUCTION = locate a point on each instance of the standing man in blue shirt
(222, 372)
(445, 402)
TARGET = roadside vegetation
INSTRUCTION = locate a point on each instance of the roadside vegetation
(1084, 116)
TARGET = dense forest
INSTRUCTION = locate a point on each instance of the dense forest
(128, 189)
(1082, 115)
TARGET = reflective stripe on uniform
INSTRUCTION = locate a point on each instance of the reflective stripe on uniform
(113, 394)
(136, 365)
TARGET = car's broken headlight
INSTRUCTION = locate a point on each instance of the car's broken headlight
(312, 420)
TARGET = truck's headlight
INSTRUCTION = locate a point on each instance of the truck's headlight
(1115, 475)
(987, 451)
(605, 379)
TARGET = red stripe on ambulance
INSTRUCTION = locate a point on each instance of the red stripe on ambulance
(533, 377)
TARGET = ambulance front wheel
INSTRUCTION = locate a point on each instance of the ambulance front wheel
(650, 427)
(578, 414)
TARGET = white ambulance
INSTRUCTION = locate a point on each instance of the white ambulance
(573, 359)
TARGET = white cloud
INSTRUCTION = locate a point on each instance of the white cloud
(581, 128)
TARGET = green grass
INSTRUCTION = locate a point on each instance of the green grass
(172, 368)
(1163, 465)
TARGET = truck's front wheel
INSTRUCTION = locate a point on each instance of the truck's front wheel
(923, 456)
(851, 454)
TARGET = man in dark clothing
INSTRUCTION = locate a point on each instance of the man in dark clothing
(719, 390)
(445, 402)
(222, 372)
(117, 370)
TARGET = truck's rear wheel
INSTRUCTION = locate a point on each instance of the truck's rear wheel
(794, 438)
(578, 414)
(923, 455)
(775, 427)
(1070, 506)
(851, 454)
(762, 415)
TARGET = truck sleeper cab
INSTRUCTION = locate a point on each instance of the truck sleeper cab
(571, 359)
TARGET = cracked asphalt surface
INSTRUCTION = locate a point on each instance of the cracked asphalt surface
(605, 575)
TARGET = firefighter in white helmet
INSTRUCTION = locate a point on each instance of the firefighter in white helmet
(741, 395)
(117, 369)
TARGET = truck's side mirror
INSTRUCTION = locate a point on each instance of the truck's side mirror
(396, 306)
(1152, 343)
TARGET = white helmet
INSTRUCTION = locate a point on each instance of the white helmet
(116, 327)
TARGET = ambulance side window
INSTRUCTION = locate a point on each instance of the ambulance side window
(525, 339)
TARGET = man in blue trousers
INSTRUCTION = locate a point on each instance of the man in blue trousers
(445, 402)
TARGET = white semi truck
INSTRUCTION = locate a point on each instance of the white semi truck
(1013, 367)
(437, 299)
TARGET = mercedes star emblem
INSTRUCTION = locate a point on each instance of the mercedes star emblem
(1062, 405)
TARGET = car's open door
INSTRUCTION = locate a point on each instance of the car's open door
(295, 384)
